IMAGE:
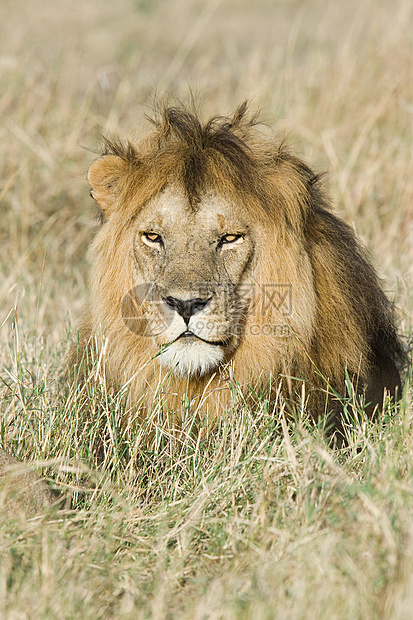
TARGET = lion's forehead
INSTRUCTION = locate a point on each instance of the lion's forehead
(171, 211)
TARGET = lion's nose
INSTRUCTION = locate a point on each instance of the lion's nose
(186, 308)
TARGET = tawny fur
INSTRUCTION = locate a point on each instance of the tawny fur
(340, 320)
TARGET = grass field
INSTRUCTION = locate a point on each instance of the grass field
(262, 519)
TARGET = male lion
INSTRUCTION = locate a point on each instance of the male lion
(218, 257)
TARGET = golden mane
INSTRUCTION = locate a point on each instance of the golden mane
(337, 321)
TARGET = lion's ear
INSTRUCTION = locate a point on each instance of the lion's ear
(106, 177)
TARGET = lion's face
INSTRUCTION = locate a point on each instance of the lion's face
(191, 267)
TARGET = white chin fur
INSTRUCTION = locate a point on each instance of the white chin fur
(193, 358)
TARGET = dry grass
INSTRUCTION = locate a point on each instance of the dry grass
(259, 520)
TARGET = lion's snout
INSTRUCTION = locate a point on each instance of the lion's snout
(186, 308)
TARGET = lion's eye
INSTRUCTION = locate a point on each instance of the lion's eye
(151, 238)
(231, 238)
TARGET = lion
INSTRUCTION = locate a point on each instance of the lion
(219, 260)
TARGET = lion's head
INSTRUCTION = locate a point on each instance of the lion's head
(218, 247)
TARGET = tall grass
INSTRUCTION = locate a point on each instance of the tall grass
(262, 518)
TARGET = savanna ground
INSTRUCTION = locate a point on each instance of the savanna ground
(260, 519)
